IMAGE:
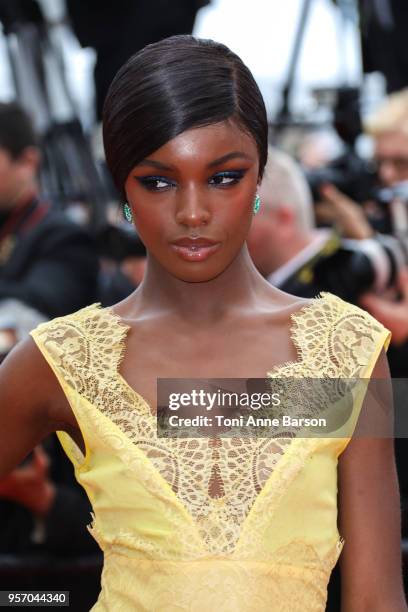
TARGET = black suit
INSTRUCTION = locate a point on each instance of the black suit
(46, 260)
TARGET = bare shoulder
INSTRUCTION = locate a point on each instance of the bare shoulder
(282, 305)
(27, 380)
(29, 401)
(378, 406)
(325, 302)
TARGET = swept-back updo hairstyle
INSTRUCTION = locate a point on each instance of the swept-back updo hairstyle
(174, 85)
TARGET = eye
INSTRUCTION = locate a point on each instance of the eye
(227, 178)
(155, 183)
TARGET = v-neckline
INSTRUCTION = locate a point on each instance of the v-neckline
(298, 449)
(273, 372)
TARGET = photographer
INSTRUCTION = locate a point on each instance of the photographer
(389, 129)
(301, 259)
(376, 190)
(386, 209)
(47, 262)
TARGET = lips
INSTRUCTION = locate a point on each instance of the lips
(195, 249)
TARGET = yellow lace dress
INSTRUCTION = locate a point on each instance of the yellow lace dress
(270, 541)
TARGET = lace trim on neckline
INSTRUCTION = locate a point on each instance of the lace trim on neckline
(296, 335)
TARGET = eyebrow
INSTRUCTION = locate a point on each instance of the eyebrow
(155, 164)
(216, 162)
(225, 158)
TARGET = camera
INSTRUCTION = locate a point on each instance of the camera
(352, 175)
(371, 264)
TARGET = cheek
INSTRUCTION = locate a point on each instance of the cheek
(238, 214)
(150, 223)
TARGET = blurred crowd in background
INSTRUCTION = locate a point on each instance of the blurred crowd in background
(334, 213)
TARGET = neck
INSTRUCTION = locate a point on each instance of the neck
(238, 287)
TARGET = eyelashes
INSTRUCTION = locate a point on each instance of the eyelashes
(155, 183)
(231, 178)
(219, 180)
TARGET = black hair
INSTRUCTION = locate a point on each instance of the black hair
(176, 84)
(16, 129)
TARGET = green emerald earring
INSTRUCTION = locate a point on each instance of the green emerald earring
(257, 203)
(128, 212)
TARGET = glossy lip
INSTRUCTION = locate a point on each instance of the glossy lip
(197, 249)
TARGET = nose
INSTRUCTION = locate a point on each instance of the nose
(192, 209)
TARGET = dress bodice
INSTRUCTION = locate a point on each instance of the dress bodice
(269, 539)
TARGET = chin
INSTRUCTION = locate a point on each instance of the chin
(197, 274)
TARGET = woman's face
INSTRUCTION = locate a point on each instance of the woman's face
(199, 186)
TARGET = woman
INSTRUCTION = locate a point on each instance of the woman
(205, 523)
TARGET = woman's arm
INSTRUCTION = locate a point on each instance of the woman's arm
(371, 567)
(27, 389)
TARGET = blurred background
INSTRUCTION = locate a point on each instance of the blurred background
(334, 214)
